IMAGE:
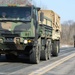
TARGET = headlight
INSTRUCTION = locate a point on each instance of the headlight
(1, 40)
(25, 41)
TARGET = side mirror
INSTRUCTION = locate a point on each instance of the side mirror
(41, 16)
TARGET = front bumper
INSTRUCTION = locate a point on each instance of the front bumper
(13, 46)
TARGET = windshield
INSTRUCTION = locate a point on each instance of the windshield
(15, 13)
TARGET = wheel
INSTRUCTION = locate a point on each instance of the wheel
(58, 46)
(55, 48)
(45, 53)
(11, 56)
(0, 55)
(35, 55)
(49, 50)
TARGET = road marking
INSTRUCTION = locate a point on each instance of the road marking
(23, 70)
(67, 53)
(67, 49)
(51, 66)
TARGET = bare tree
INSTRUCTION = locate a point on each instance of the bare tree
(5, 2)
(68, 31)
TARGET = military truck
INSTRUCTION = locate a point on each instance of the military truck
(30, 31)
(55, 24)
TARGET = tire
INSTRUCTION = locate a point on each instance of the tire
(0, 55)
(49, 51)
(55, 48)
(59, 46)
(45, 54)
(35, 55)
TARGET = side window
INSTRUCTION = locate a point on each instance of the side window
(37, 15)
(34, 14)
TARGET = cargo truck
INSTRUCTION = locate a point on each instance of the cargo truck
(56, 29)
(30, 31)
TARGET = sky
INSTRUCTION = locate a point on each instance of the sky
(65, 8)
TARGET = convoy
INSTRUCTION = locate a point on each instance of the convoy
(30, 31)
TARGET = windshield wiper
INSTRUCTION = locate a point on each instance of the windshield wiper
(13, 21)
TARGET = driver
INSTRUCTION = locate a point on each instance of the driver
(28, 15)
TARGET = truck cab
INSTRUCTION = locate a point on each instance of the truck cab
(18, 25)
(25, 30)
(19, 31)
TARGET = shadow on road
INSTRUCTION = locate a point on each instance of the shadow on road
(20, 59)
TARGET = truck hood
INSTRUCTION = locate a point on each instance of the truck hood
(14, 26)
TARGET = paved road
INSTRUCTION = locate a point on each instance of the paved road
(23, 67)
(67, 68)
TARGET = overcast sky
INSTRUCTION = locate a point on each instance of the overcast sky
(65, 8)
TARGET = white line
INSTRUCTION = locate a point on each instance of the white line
(33, 66)
(66, 49)
(51, 66)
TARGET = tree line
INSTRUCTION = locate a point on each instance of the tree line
(67, 33)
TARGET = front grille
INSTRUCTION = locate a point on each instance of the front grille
(10, 35)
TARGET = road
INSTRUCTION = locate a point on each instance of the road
(64, 64)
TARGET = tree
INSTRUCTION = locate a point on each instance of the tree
(6, 2)
(68, 31)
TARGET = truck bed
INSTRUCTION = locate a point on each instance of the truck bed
(55, 19)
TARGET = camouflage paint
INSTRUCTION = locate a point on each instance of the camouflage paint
(16, 31)
(12, 28)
